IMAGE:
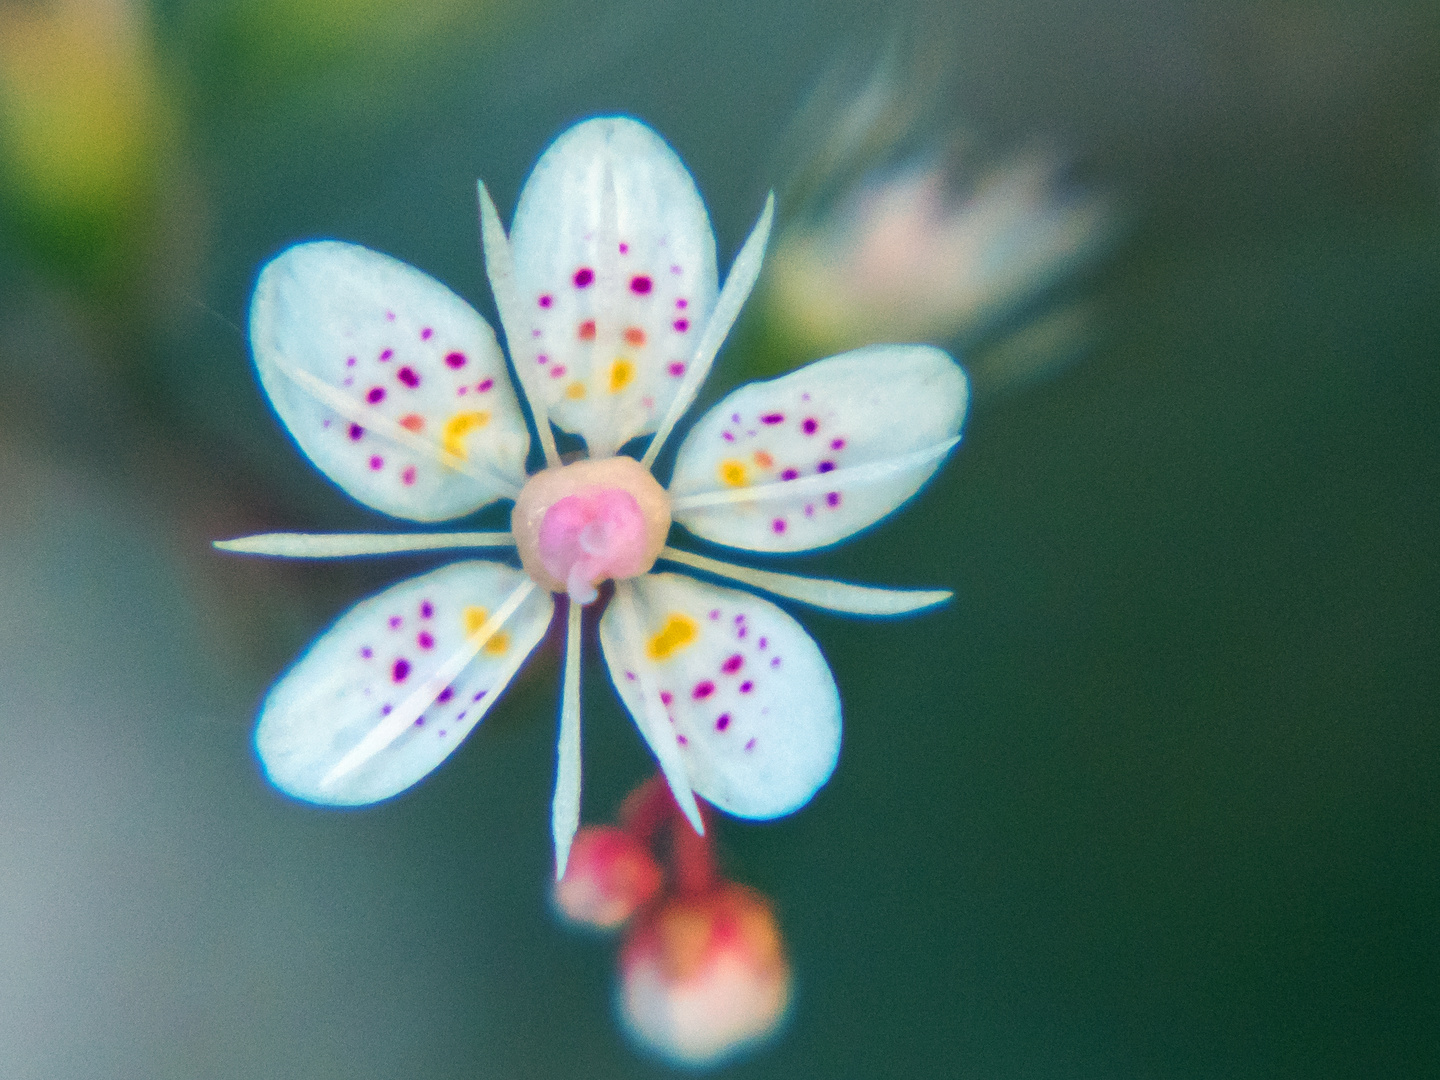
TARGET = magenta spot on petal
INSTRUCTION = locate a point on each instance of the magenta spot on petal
(376, 395)
(735, 418)
(775, 662)
(810, 426)
(558, 371)
(395, 622)
(624, 249)
(674, 268)
(682, 303)
(389, 316)
(356, 431)
(484, 385)
(640, 284)
(542, 359)
(478, 695)
(407, 475)
(455, 360)
(750, 744)
(386, 355)
(723, 722)
(772, 418)
(427, 609)
(546, 300)
(789, 474)
(682, 740)
(584, 277)
(386, 709)
(400, 670)
(728, 436)
(682, 325)
(630, 675)
(832, 499)
(837, 444)
(676, 369)
(703, 690)
(714, 613)
(746, 686)
(424, 640)
(377, 463)
(445, 695)
(366, 653)
(442, 734)
(350, 362)
(420, 721)
(809, 509)
(778, 525)
(407, 376)
(666, 697)
(426, 334)
(732, 665)
(763, 643)
(825, 466)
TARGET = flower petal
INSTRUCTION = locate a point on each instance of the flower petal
(392, 385)
(807, 459)
(428, 651)
(565, 807)
(751, 702)
(615, 279)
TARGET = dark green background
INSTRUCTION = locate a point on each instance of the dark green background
(1154, 797)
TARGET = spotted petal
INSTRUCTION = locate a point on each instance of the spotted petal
(807, 459)
(429, 655)
(750, 701)
(614, 265)
(391, 384)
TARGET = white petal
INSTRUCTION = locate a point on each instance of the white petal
(392, 385)
(565, 809)
(349, 545)
(408, 650)
(807, 459)
(750, 701)
(738, 284)
(614, 277)
(623, 645)
(818, 592)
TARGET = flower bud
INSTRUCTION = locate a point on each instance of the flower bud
(703, 976)
(610, 876)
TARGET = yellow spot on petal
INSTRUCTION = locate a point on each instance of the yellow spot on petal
(453, 435)
(622, 373)
(733, 473)
(575, 391)
(763, 459)
(678, 632)
(474, 619)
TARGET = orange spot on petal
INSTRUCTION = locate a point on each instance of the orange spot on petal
(587, 330)
(763, 459)
(413, 422)
(634, 336)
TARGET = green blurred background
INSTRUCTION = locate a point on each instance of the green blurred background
(1155, 796)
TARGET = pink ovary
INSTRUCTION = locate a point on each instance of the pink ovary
(593, 535)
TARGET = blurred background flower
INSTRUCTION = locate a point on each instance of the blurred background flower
(702, 971)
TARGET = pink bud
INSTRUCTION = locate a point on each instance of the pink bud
(610, 876)
(703, 976)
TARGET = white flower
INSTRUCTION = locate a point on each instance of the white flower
(397, 390)
(901, 256)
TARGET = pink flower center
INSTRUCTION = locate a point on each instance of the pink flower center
(580, 524)
(594, 535)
